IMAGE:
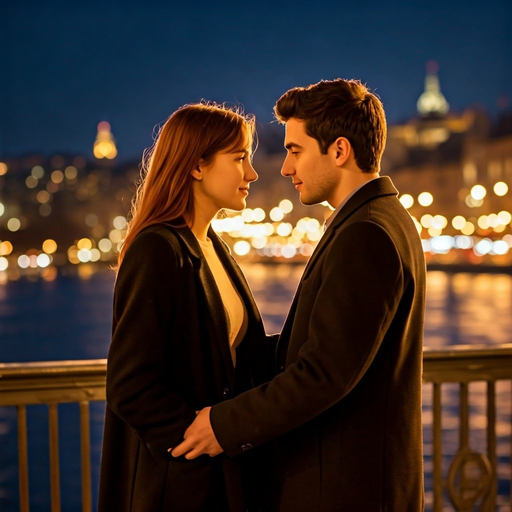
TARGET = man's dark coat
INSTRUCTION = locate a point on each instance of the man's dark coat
(169, 357)
(345, 406)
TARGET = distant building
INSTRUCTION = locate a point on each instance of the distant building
(446, 154)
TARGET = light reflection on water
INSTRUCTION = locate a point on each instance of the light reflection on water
(70, 318)
(468, 309)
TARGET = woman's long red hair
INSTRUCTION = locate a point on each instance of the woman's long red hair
(192, 133)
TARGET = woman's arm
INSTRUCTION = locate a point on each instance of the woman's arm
(138, 383)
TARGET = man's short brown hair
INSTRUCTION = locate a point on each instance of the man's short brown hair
(339, 108)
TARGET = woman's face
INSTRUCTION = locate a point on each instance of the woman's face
(224, 183)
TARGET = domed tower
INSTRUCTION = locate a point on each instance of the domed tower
(104, 145)
(432, 103)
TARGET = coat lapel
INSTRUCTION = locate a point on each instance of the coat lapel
(215, 306)
(379, 187)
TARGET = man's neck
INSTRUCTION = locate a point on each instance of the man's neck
(350, 182)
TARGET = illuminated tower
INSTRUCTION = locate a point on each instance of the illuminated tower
(432, 102)
(104, 145)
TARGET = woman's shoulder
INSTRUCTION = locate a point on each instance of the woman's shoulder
(156, 238)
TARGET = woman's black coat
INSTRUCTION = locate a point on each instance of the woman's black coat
(169, 357)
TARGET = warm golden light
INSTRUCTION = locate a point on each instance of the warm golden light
(258, 214)
(468, 229)
(43, 260)
(478, 192)
(500, 188)
(57, 176)
(84, 244)
(31, 182)
(13, 224)
(284, 229)
(5, 248)
(505, 218)
(426, 220)
(72, 255)
(433, 231)
(439, 222)
(43, 196)
(49, 246)
(115, 236)
(242, 248)
(37, 172)
(248, 215)
(105, 245)
(407, 200)
(3, 168)
(286, 205)
(276, 214)
(104, 146)
(119, 222)
(425, 199)
(472, 202)
(483, 222)
(23, 261)
(71, 172)
(458, 222)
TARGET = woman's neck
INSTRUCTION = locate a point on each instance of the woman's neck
(200, 223)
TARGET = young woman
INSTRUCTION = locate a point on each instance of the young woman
(186, 331)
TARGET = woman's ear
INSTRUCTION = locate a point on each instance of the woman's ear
(197, 173)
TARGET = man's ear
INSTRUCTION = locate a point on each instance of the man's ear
(342, 148)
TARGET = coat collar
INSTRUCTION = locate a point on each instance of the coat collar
(379, 187)
(212, 295)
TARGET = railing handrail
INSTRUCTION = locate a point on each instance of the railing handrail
(468, 363)
(467, 351)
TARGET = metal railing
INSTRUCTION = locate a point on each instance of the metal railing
(471, 478)
(53, 383)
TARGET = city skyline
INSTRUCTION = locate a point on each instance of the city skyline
(70, 67)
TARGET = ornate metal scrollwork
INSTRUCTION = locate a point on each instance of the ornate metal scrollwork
(469, 479)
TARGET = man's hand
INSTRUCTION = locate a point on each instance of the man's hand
(199, 438)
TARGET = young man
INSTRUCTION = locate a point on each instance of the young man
(344, 408)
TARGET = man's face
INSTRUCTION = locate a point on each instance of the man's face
(314, 175)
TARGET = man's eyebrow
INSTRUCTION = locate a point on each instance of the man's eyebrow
(291, 145)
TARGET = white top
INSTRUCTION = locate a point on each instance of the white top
(236, 313)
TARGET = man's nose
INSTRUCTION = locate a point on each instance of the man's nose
(287, 169)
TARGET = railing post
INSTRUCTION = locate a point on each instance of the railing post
(437, 455)
(54, 457)
(86, 456)
(489, 502)
(23, 458)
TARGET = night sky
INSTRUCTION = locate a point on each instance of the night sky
(66, 67)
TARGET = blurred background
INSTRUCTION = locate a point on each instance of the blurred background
(84, 88)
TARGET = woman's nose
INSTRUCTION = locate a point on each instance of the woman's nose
(251, 175)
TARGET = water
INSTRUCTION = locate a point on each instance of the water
(70, 318)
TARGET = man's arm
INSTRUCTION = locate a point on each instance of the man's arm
(351, 312)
